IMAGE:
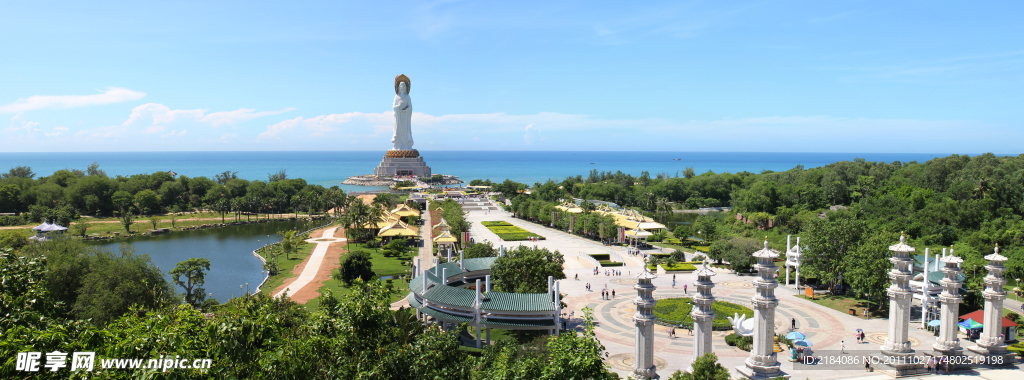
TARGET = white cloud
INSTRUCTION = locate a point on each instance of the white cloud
(242, 114)
(38, 102)
(56, 131)
(18, 123)
(325, 124)
(528, 135)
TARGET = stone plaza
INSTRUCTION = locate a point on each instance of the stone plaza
(618, 326)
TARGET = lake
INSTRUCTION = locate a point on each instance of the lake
(229, 250)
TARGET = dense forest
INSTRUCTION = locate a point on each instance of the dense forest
(848, 212)
(68, 194)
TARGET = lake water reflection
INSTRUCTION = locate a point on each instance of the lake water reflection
(229, 250)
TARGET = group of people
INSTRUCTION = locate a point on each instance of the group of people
(860, 337)
(607, 272)
(606, 294)
(935, 363)
(672, 331)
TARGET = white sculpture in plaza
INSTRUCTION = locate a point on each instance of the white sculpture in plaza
(742, 325)
(403, 114)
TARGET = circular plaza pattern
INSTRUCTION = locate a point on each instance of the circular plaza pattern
(625, 362)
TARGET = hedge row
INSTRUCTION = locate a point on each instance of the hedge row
(601, 256)
(608, 263)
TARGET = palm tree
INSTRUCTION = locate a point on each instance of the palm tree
(662, 206)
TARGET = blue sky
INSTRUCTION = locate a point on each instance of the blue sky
(782, 76)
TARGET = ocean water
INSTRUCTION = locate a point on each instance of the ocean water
(330, 168)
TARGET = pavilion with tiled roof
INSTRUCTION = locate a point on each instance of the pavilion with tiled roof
(440, 294)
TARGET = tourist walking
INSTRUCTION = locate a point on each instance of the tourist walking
(842, 347)
(613, 293)
(684, 288)
(792, 324)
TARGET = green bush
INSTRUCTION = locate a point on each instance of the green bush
(674, 267)
(607, 263)
(12, 239)
(601, 256)
(8, 220)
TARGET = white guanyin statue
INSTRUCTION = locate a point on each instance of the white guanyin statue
(403, 114)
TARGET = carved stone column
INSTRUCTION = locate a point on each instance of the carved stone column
(702, 314)
(762, 362)
(992, 343)
(643, 363)
(948, 343)
(898, 341)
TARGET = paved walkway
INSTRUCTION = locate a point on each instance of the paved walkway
(315, 260)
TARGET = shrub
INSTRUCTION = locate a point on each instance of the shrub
(8, 220)
(12, 239)
(601, 256)
(607, 263)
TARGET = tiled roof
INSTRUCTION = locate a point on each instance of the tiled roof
(501, 301)
(445, 316)
(520, 322)
(478, 264)
(449, 295)
(452, 269)
(413, 302)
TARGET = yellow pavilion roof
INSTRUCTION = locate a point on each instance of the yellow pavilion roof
(399, 229)
(445, 237)
(404, 211)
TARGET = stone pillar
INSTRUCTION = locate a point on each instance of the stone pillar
(991, 342)
(948, 343)
(558, 310)
(789, 247)
(898, 341)
(797, 283)
(702, 315)
(643, 363)
(762, 362)
(925, 288)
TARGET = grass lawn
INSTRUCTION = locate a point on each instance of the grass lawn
(843, 304)
(286, 265)
(382, 266)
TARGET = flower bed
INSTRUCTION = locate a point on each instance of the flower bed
(506, 231)
(676, 311)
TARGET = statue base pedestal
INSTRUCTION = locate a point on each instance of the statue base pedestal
(994, 356)
(399, 163)
(759, 373)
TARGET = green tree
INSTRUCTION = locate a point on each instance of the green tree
(525, 270)
(116, 282)
(147, 201)
(484, 249)
(12, 239)
(829, 244)
(355, 265)
(191, 276)
(125, 209)
(19, 172)
(705, 367)
(80, 228)
(290, 243)
(867, 267)
(395, 248)
(154, 220)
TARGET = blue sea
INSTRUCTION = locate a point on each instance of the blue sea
(330, 168)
